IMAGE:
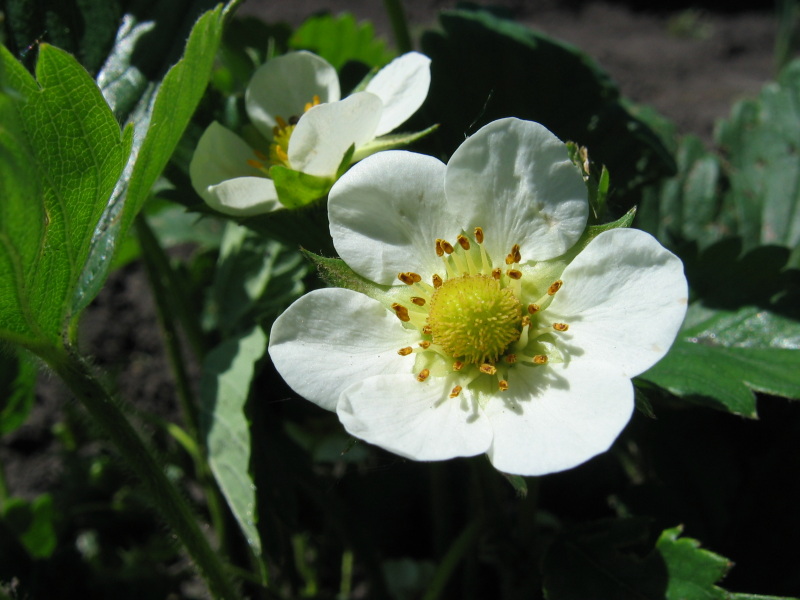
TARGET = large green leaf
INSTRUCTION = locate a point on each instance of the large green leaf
(485, 68)
(17, 391)
(605, 560)
(160, 116)
(61, 153)
(721, 357)
(224, 389)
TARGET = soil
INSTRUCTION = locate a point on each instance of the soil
(690, 65)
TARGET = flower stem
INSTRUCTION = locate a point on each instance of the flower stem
(462, 544)
(77, 374)
(397, 16)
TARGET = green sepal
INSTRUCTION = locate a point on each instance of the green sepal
(390, 142)
(597, 181)
(347, 160)
(296, 189)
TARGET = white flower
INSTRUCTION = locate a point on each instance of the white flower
(494, 336)
(294, 102)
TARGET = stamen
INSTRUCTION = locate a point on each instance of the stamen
(540, 359)
(427, 330)
(533, 308)
(437, 281)
(515, 253)
(424, 344)
(458, 365)
(456, 391)
(514, 274)
(405, 351)
(260, 155)
(282, 154)
(409, 278)
(463, 242)
(401, 312)
(488, 369)
(478, 234)
(281, 123)
(503, 385)
(418, 301)
(423, 375)
(447, 247)
(526, 321)
(560, 326)
(439, 249)
(255, 164)
(497, 273)
(511, 358)
(555, 287)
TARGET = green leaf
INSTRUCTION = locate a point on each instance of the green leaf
(159, 121)
(33, 524)
(255, 279)
(390, 142)
(721, 357)
(296, 189)
(224, 389)
(485, 68)
(17, 391)
(62, 153)
(340, 39)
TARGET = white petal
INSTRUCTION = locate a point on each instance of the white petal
(244, 196)
(413, 419)
(324, 134)
(220, 155)
(515, 180)
(556, 417)
(283, 85)
(332, 338)
(386, 213)
(624, 299)
(402, 86)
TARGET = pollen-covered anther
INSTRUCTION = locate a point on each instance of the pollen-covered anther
(514, 256)
(401, 312)
(560, 326)
(281, 124)
(488, 369)
(503, 385)
(423, 375)
(514, 274)
(510, 358)
(526, 321)
(478, 234)
(554, 287)
(405, 351)
(255, 164)
(424, 344)
(427, 330)
(458, 365)
(437, 281)
(533, 309)
(439, 248)
(418, 301)
(447, 247)
(540, 359)
(456, 391)
(463, 242)
(314, 102)
(409, 278)
(497, 273)
(281, 153)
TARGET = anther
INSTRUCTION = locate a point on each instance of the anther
(511, 358)
(514, 274)
(526, 321)
(515, 253)
(488, 369)
(424, 344)
(281, 123)
(556, 285)
(401, 312)
(439, 248)
(458, 365)
(497, 273)
(478, 235)
(533, 308)
(255, 164)
(405, 351)
(447, 247)
(260, 155)
(423, 375)
(427, 330)
(503, 385)
(463, 242)
(409, 278)
(418, 301)
(540, 359)
(282, 154)
(456, 391)
(437, 281)
(560, 326)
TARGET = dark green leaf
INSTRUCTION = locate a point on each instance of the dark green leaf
(224, 389)
(17, 387)
(62, 153)
(339, 39)
(296, 189)
(33, 524)
(485, 68)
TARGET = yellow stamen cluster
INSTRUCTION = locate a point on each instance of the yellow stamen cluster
(472, 319)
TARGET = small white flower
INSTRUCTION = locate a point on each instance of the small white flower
(294, 102)
(492, 333)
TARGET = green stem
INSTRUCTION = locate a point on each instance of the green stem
(171, 505)
(397, 17)
(448, 564)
